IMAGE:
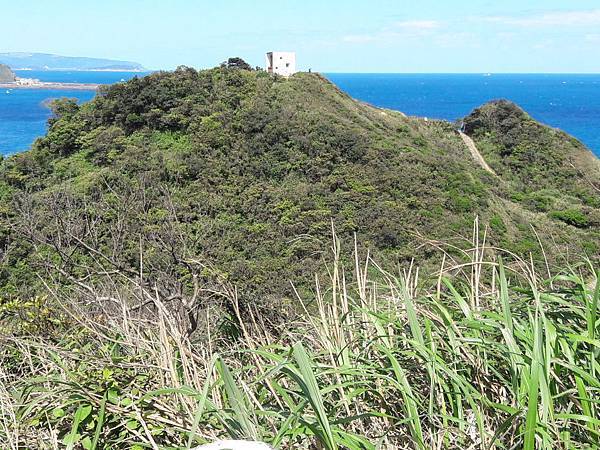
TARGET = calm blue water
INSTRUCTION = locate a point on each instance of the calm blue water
(568, 102)
(23, 113)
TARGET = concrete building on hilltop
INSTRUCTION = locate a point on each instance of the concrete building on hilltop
(281, 63)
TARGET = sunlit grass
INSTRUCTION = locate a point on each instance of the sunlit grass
(482, 354)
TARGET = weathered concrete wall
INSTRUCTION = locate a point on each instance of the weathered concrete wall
(281, 63)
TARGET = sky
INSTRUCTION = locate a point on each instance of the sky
(413, 36)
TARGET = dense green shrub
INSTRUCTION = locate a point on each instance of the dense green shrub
(497, 224)
(572, 217)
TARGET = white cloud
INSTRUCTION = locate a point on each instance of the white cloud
(575, 18)
(544, 45)
(417, 25)
(450, 34)
(359, 38)
(593, 37)
(403, 29)
(456, 40)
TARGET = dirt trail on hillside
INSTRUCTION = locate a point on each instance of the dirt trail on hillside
(475, 153)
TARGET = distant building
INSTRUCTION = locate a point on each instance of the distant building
(28, 82)
(281, 63)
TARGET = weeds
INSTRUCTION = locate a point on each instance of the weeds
(485, 356)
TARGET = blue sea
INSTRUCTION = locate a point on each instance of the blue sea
(24, 112)
(568, 102)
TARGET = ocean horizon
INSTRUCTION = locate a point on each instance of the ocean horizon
(570, 102)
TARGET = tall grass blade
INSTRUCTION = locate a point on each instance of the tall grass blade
(237, 403)
(310, 388)
(202, 400)
(100, 422)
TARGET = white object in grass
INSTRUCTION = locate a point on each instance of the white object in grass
(235, 445)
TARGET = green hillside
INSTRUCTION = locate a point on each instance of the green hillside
(227, 254)
(247, 173)
(551, 169)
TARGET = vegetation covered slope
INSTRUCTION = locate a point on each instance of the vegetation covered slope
(245, 173)
(150, 240)
(550, 171)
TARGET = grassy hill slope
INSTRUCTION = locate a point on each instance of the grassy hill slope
(550, 169)
(247, 173)
(150, 239)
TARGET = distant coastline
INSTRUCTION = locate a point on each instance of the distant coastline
(24, 111)
(47, 61)
(36, 84)
(30, 69)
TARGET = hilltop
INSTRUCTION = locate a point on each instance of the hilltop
(247, 173)
(46, 61)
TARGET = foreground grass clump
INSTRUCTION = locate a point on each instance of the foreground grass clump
(484, 356)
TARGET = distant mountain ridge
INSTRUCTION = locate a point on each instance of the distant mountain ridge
(46, 61)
